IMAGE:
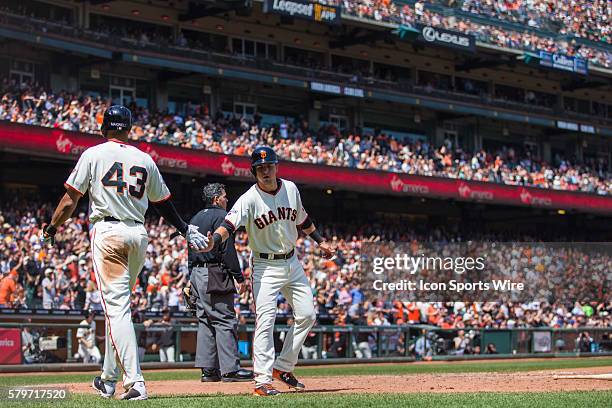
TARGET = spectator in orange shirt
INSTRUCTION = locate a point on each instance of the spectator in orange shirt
(433, 315)
(414, 315)
(399, 312)
(8, 287)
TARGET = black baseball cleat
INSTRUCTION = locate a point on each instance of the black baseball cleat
(211, 375)
(238, 376)
(106, 389)
(289, 379)
(136, 393)
(265, 390)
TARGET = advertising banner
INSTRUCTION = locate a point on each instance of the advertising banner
(69, 145)
(564, 62)
(306, 10)
(10, 346)
(446, 38)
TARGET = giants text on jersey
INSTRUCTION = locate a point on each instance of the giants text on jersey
(271, 219)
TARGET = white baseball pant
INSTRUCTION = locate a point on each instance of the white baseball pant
(89, 354)
(118, 250)
(166, 354)
(288, 277)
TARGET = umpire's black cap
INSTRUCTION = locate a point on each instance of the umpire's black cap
(263, 155)
(117, 117)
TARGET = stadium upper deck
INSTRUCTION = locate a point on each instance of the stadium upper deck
(357, 57)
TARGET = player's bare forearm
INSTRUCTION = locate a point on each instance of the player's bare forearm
(223, 232)
(216, 238)
(65, 208)
(327, 251)
(310, 229)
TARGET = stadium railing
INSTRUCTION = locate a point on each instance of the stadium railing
(339, 343)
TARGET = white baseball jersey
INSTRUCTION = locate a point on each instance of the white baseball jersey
(121, 180)
(270, 219)
(89, 335)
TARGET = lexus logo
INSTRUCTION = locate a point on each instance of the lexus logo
(431, 34)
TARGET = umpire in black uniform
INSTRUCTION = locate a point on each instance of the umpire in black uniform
(212, 281)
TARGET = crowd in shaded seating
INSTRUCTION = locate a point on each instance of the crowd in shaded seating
(295, 140)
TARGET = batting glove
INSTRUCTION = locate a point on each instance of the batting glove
(48, 235)
(190, 299)
(195, 238)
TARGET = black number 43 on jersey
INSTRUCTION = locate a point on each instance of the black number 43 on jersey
(114, 178)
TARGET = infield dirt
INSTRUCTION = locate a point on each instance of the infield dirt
(532, 381)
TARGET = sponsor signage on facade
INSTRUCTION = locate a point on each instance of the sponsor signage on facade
(306, 10)
(446, 38)
(564, 62)
(337, 89)
(575, 127)
(69, 145)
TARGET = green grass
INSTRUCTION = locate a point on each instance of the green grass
(589, 399)
(386, 369)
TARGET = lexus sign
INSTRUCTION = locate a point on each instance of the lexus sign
(446, 38)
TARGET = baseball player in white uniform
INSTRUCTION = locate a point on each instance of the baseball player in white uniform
(86, 337)
(272, 212)
(121, 181)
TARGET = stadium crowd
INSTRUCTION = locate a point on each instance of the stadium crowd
(563, 21)
(585, 19)
(61, 277)
(295, 141)
(576, 18)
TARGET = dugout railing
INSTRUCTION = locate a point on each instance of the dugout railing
(57, 342)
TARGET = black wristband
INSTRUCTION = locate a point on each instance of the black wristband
(306, 224)
(217, 239)
(50, 230)
(316, 236)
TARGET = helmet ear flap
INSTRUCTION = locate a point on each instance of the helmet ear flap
(253, 172)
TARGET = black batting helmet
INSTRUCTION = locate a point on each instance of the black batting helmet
(117, 117)
(262, 155)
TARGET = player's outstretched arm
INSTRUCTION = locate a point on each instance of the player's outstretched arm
(196, 239)
(311, 230)
(216, 238)
(64, 210)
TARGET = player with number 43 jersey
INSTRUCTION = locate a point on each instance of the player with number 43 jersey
(121, 181)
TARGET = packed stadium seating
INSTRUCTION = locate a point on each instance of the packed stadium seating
(558, 23)
(61, 277)
(33, 105)
(583, 19)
